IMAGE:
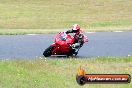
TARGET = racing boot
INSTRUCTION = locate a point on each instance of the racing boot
(75, 48)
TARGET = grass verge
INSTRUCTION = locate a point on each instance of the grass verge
(60, 73)
(52, 31)
(97, 15)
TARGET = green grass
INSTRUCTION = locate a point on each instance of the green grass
(92, 15)
(60, 73)
(28, 31)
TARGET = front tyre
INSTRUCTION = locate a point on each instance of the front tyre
(48, 51)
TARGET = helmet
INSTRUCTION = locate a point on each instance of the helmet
(76, 27)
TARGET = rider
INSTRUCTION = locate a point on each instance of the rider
(79, 38)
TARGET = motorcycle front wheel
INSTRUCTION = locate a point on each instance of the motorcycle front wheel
(48, 51)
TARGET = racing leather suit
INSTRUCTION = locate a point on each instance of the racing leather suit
(79, 41)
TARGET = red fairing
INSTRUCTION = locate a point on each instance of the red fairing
(62, 43)
(69, 39)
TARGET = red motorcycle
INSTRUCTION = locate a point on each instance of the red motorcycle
(62, 45)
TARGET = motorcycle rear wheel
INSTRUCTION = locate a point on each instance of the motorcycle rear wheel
(48, 51)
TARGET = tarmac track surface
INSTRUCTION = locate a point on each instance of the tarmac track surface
(114, 44)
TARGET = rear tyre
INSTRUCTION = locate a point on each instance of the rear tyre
(48, 51)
